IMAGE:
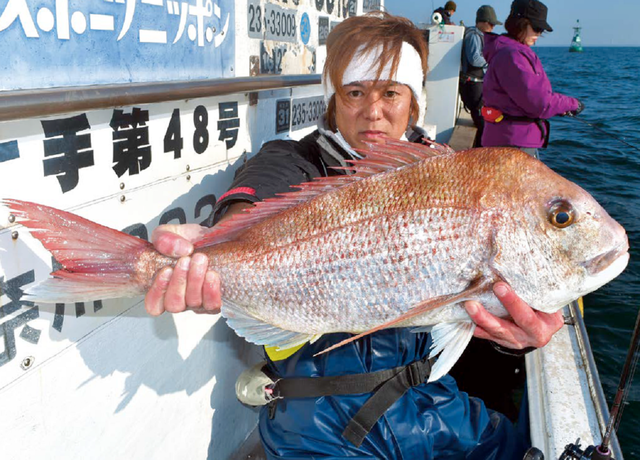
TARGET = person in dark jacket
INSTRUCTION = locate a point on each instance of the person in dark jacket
(446, 12)
(474, 66)
(516, 86)
(371, 91)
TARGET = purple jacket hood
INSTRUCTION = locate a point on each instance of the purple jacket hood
(517, 84)
(492, 43)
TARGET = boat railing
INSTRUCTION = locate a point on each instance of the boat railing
(15, 105)
(595, 385)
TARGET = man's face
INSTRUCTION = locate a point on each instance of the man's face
(373, 109)
(485, 27)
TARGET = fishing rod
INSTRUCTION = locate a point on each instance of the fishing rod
(573, 117)
(623, 388)
(602, 452)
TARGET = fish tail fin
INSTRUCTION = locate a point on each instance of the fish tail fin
(97, 262)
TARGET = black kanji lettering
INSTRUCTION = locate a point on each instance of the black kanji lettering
(229, 123)
(131, 148)
(12, 288)
(58, 317)
(7, 331)
(9, 151)
(65, 150)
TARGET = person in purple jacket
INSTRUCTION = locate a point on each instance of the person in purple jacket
(517, 93)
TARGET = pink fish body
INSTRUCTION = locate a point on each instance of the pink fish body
(402, 242)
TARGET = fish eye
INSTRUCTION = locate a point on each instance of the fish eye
(561, 214)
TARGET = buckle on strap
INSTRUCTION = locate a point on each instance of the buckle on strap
(418, 372)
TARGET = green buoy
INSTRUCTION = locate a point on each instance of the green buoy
(576, 42)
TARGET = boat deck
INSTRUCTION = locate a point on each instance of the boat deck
(464, 132)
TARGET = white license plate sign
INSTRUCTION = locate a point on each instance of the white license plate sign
(279, 23)
(306, 111)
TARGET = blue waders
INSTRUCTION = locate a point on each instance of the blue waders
(426, 421)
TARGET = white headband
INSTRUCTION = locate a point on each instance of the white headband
(364, 68)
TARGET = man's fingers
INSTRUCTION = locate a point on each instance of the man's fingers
(482, 317)
(174, 298)
(552, 321)
(195, 280)
(154, 300)
(171, 244)
(211, 294)
(491, 327)
(529, 328)
(519, 310)
(482, 334)
(176, 240)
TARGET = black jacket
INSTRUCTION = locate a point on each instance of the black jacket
(280, 164)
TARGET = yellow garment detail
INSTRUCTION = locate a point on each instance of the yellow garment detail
(276, 355)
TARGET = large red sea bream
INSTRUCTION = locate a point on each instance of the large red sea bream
(401, 242)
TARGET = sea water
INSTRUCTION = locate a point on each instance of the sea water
(607, 81)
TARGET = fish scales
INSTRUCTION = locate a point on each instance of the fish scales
(351, 266)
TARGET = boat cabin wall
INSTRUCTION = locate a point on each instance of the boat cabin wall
(103, 379)
(445, 48)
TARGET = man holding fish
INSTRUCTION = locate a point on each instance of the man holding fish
(380, 61)
(389, 236)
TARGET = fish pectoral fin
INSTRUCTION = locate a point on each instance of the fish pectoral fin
(261, 333)
(450, 340)
(477, 287)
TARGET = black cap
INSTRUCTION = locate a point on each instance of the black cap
(534, 11)
(487, 14)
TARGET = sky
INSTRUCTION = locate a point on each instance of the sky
(604, 22)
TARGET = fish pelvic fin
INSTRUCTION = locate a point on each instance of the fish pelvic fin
(449, 340)
(256, 331)
(379, 158)
(475, 288)
(97, 262)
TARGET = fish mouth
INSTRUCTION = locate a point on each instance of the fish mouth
(603, 261)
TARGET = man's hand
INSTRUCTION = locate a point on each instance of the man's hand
(528, 327)
(188, 286)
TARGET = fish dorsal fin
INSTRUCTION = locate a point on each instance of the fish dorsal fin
(230, 229)
(476, 288)
(394, 153)
(378, 159)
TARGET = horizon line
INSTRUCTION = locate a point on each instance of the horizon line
(609, 45)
